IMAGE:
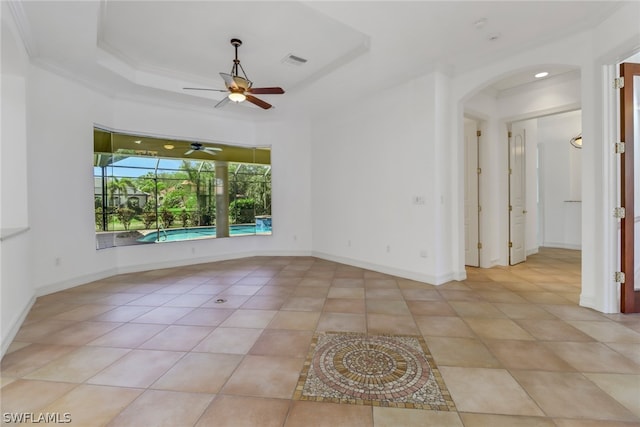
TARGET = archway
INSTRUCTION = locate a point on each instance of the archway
(498, 106)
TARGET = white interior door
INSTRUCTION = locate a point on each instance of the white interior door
(517, 205)
(471, 203)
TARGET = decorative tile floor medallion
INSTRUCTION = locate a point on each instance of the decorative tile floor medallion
(383, 370)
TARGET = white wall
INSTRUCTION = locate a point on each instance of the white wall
(16, 290)
(61, 150)
(369, 162)
(14, 152)
(60, 118)
(561, 176)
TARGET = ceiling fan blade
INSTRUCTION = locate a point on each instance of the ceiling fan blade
(267, 90)
(204, 88)
(213, 153)
(228, 80)
(189, 152)
(212, 149)
(222, 103)
(259, 102)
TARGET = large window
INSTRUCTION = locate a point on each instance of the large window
(151, 190)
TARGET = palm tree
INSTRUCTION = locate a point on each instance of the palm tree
(119, 186)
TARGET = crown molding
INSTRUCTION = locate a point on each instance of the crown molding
(23, 27)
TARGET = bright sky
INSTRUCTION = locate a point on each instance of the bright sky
(133, 167)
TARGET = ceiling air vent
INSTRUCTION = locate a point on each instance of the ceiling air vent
(294, 60)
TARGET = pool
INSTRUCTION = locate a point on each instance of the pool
(176, 234)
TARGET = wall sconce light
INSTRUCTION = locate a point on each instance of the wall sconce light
(576, 141)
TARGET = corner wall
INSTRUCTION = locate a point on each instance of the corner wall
(379, 197)
(17, 293)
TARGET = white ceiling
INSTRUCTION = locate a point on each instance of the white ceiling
(152, 49)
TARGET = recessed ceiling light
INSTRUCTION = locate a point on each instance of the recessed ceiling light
(541, 75)
(138, 142)
(169, 146)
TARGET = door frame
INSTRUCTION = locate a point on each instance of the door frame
(629, 296)
(473, 172)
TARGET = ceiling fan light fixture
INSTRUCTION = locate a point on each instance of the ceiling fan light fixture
(237, 96)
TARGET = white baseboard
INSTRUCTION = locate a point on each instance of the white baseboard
(411, 275)
(202, 260)
(532, 251)
(82, 280)
(562, 245)
(88, 278)
(15, 326)
(74, 281)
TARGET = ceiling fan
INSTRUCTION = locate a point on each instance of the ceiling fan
(240, 88)
(196, 146)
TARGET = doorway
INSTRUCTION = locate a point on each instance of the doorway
(545, 184)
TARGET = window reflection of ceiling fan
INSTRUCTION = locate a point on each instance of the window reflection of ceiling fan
(196, 146)
(240, 88)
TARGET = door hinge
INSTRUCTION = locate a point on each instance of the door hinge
(479, 171)
(479, 133)
(618, 277)
(619, 147)
(510, 244)
(479, 245)
(510, 208)
(618, 83)
(619, 212)
(509, 134)
(479, 208)
(510, 171)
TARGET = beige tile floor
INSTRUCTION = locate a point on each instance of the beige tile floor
(156, 349)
